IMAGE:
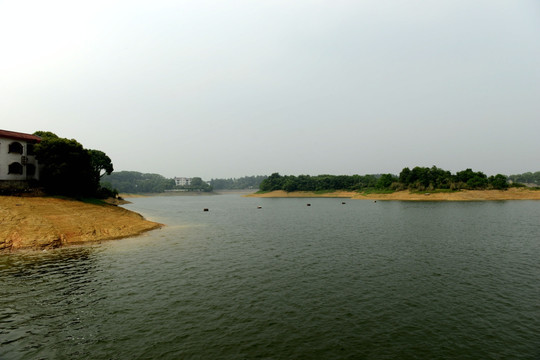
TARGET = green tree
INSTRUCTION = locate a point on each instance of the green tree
(67, 167)
(290, 184)
(45, 135)
(385, 181)
(101, 164)
(198, 184)
(405, 176)
(273, 182)
(499, 182)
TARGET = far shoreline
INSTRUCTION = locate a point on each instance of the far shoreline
(406, 195)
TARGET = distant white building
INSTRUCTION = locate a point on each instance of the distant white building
(182, 181)
(17, 160)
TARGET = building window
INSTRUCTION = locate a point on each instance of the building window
(30, 170)
(29, 149)
(15, 168)
(15, 148)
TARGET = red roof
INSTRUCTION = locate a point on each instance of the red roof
(19, 136)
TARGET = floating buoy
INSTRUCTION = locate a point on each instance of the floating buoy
(343, 203)
(308, 204)
(205, 209)
(375, 201)
(259, 207)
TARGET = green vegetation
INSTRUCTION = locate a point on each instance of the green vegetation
(246, 182)
(429, 179)
(134, 182)
(69, 169)
(417, 179)
(526, 178)
(317, 183)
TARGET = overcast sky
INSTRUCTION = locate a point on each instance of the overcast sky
(226, 88)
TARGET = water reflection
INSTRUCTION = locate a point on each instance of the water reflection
(46, 297)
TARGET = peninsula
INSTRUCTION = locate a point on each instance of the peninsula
(45, 222)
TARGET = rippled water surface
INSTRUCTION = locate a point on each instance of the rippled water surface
(361, 280)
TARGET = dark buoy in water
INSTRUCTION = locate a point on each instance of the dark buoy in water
(259, 207)
(375, 201)
(205, 209)
(308, 204)
(343, 203)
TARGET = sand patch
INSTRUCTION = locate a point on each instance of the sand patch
(464, 195)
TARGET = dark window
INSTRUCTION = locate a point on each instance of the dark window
(15, 168)
(15, 148)
(30, 170)
(29, 149)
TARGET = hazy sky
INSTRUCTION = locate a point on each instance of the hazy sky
(231, 88)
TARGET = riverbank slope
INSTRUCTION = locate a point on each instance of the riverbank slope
(44, 222)
(463, 195)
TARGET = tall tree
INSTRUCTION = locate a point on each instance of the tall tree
(101, 164)
(67, 167)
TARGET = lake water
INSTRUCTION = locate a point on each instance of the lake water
(361, 280)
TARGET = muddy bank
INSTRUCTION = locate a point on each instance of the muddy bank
(43, 223)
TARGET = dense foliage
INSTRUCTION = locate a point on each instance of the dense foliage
(419, 178)
(423, 178)
(246, 182)
(67, 168)
(136, 182)
(526, 178)
(319, 182)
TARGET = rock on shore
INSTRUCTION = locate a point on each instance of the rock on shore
(43, 223)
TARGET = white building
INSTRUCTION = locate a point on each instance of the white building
(182, 181)
(17, 160)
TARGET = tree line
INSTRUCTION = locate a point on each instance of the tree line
(133, 182)
(418, 178)
(246, 182)
(526, 178)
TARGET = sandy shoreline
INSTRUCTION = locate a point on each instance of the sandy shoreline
(43, 223)
(464, 195)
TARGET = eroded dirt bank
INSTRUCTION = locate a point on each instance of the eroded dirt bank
(42, 223)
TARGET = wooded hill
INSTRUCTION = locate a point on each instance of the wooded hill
(526, 178)
(133, 182)
(246, 182)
